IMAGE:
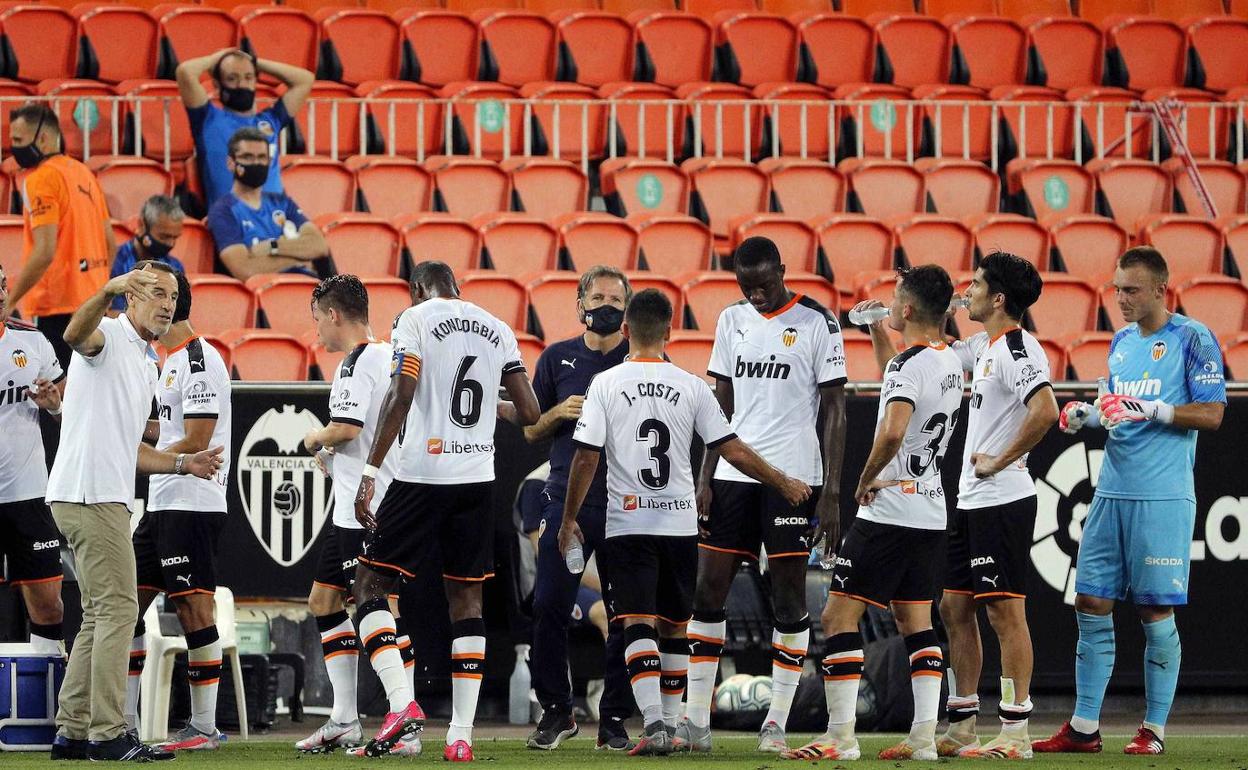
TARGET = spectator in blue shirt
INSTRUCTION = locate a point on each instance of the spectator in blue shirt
(161, 223)
(260, 232)
(234, 73)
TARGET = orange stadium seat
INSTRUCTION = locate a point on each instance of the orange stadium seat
(791, 7)
(480, 108)
(782, 122)
(195, 249)
(319, 185)
(552, 297)
(156, 107)
(221, 303)
(724, 190)
(942, 8)
(1012, 233)
(1178, 10)
(1114, 314)
(41, 42)
(1220, 302)
(857, 249)
(1131, 189)
(1146, 53)
(1204, 126)
(882, 288)
(1218, 50)
(190, 31)
(643, 129)
(1066, 309)
(83, 120)
(756, 47)
(1033, 130)
(128, 181)
(965, 129)
(1089, 356)
(691, 351)
(387, 299)
(804, 188)
(868, 7)
(959, 188)
(559, 126)
(714, 119)
(261, 355)
(1192, 246)
(588, 238)
(1224, 182)
(1097, 11)
(1068, 52)
(1089, 246)
(1105, 121)
(1236, 232)
(122, 230)
(11, 245)
(932, 239)
(359, 44)
(1055, 352)
(709, 9)
(116, 42)
(417, 125)
(6, 199)
(284, 301)
(795, 238)
(325, 362)
(860, 360)
(674, 48)
(990, 51)
(643, 186)
(390, 186)
(439, 47)
(1048, 189)
(530, 350)
(467, 187)
(9, 88)
(626, 7)
(517, 47)
(706, 295)
(875, 125)
(444, 237)
(331, 108)
(642, 280)
(914, 50)
(673, 243)
(836, 49)
(1235, 356)
(362, 244)
(518, 244)
(1021, 9)
(883, 188)
(594, 48)
(816, 287)
(550, 7)
(282, 34)
(545, 187)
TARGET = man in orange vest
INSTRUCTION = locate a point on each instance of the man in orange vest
(68, 241)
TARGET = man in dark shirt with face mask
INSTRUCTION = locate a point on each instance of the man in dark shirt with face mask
(161, 223)
(562, 377)
(234, 75)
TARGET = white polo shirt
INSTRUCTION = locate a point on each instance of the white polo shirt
(107, 401)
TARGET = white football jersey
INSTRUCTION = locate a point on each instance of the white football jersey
(777, 363)
(461, 353)
(929, 378)
(194, 385)
(25, 356)
(1005, 373)
(643, 414)
(360, 385)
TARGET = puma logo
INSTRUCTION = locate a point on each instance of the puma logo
(741, 332)
(566, 362)
(992, 579)
(840, 580)
(185, 579)
(1161, 664)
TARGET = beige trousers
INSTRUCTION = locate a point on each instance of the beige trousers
(94, 692)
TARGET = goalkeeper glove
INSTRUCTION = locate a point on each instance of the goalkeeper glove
(1076, 415)
(1116, 409)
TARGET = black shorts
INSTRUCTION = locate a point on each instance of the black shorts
(651, 576)
(415, 520)
(883, 563)
(745, 516)
(339, 554)
(990, 549)
(176, 551)
(30, 543)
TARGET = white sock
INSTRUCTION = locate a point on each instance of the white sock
(138, 656)
(204, 671)
(376, 626)
(926, 665)
(964, 706)
(467, 666)
(788, 651)
(409, 660)
(1088, 726)
(842, 671)
(674, 660)
(340, 650)
(1014, 715)
(706, 643)
(644, 668)
(1158, 730)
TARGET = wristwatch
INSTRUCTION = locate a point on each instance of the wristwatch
(177, 464)
(272, 247)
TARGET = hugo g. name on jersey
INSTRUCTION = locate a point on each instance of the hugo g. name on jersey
(643, 414)
(459, 354)
(777, 363)
(359, 387)
(194, 385)
(1005, 373)
(929, 378)
(25, 356)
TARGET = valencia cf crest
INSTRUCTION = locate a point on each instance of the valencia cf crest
(789, 337)
(286, 497)
(1159, 350)
(169, 377)
(19, 359)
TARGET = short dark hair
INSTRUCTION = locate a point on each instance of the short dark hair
(216, 68)
(1149, 258)
(163, 267)
(433, 273)
(1014, 277)
(756, 252)
(182, 309)
(35, 113)
(246, 134)
(648, 315)
(930, 288)
(344, 293)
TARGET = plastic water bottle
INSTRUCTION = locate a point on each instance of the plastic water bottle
(1102, 390)
(576, 559)
(959, 303)
(868, 316)
(521, 681)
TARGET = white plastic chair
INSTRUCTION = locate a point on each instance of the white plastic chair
(157, 675)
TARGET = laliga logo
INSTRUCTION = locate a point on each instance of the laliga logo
(286, 498)
(1063, 496)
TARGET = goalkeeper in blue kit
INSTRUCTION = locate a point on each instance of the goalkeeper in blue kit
(1166, 383)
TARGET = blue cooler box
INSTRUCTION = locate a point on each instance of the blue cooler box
(29, 684)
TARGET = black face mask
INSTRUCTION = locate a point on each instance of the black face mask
(30, 155)
(252, 174)
(154, 248)
(238, 99)
(604, 320)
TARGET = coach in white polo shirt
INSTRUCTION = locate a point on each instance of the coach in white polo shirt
(112, 377)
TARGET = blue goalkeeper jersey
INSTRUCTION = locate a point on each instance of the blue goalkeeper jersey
(1179, 364)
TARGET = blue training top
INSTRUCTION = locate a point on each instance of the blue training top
(212, 126)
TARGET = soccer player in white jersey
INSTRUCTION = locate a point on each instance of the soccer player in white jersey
(779, 368)
(894, 549)
(1011, 408)
(31, 379)
(450, 357)
(340, 312)
(643, 414)
(175, 544)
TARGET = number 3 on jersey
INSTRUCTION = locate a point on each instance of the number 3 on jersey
(936, 427)
(652, 430)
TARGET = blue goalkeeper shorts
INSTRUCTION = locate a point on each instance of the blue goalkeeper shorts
(1138, 546)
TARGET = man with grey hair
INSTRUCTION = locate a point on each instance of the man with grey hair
(561, 379)
(161, 225)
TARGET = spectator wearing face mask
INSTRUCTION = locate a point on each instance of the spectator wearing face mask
(161, 220)
(234, 74)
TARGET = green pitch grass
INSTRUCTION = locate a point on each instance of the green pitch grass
(730, 752)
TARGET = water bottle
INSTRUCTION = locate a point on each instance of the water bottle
(576, 559)
(521, 681)
(959, 303)
(1102, 390)
(868, 316)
